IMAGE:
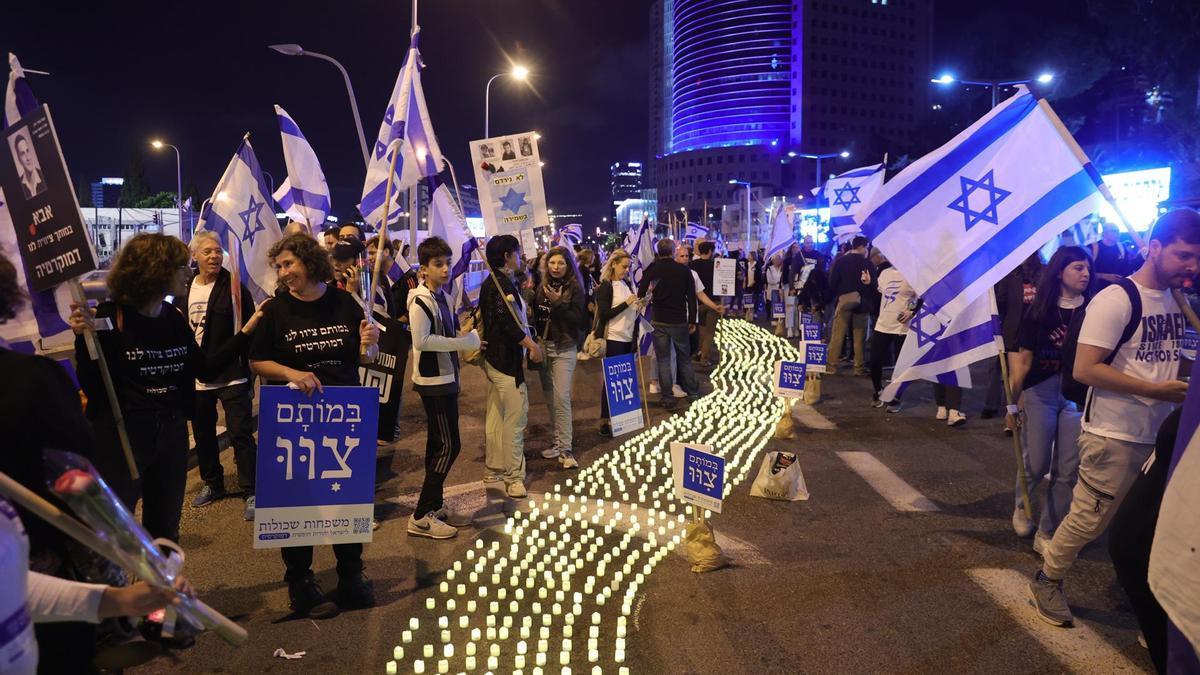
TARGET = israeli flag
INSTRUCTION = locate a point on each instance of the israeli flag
(304, 194)
(1174, 567)
(694, 231)
(571, 235)
(446, 221)
(240, 214)
(959, 219)
(640, 248)
(46, 313)
(846, 194)
(782, 233)
(941, 352)
(407, 120)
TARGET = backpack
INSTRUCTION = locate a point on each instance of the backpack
(1072, 389)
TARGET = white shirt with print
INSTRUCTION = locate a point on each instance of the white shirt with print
(1152, 355)
(896, 295)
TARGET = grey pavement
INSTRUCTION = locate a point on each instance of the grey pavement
(842, 582)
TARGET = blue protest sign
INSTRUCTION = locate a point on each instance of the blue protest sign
(810, 332)
(747, 299)
(315, 480)
(814, 357)
(1189, 343)
(777, 309)
(807, 317)
(699, 475)
(789, 379)
(622, 388)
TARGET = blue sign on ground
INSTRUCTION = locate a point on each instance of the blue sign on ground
(789, 379)
(315, 480)
(814, 357)
(699, 475)
(622, 388)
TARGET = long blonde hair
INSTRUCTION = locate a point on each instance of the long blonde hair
(606, 273)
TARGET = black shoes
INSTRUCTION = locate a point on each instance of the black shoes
(309, 601)
(355, 592)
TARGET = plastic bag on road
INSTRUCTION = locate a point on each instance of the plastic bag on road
(702, 550)
(780, 477)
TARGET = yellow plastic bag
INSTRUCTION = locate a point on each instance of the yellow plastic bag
(702, 550)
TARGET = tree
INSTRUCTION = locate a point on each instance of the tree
(84, 193)
(162, 200)
(190, 191)
(135, 188)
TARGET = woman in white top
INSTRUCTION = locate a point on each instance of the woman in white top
(895, 311)
(617, 309)
(773, 279)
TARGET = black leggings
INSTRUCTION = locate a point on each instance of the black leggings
(441, 449)
(611, 348)
(884, 347)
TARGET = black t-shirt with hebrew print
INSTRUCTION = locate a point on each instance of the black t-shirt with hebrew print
(318, 336)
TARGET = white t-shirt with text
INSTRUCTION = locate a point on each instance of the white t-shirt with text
(197, 311)
(1152, 354)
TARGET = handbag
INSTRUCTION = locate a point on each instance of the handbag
(595, 347)
(469, 323)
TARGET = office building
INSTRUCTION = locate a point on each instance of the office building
(626, 184)
(106, 193)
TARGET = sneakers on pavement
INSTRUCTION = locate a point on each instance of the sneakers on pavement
(941, 413)
(208, 494)
(248, 509)
(654, 388)
(677, 391)
(1022, 525)
(309, 601)
(876, 402)
(1048, 599)
(490, 478)
(1040, 541)
(355, 592)
(452, 518)
(516, 490)
(429, 526)
(567, 460)
(955, 419)
(893, 407)
(551, 452)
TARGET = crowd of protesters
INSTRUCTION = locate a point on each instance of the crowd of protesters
(1093, 339)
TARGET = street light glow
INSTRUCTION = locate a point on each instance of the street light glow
(1045, 78)
(156, 144)
(520, 73)
(945, 78)
(845, 154)
(791, 153)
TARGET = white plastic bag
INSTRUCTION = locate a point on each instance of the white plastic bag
(780, 477)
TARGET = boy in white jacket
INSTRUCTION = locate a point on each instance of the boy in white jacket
(435, 347)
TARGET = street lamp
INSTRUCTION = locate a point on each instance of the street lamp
(297, 50)
(994, 85)
(518, 73)
(157, 144)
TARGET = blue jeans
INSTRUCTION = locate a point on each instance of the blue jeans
(666, 336)
(1048, 442)
(558, 373)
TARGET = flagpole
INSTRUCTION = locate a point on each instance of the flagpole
(394, 146)
(1022, 478)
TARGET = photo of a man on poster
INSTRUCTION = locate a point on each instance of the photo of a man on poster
(508, 151)
(29, 169)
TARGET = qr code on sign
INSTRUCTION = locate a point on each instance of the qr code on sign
(362, 525)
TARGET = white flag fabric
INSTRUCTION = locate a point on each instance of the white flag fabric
(45, 315)
(1174, 573)
(640, 248)
(446, 221)
(304, 194)
(406, 119)
(240, 214)
(782, 233)
(846, 195)
(959, 219)
(941, 352)
(695, 231)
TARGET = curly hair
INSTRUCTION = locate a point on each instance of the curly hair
(11, 295)
(144, 268)
(310, 254)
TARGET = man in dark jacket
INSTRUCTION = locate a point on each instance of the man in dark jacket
(673, 307)
(703, 266)
(851, 278)
(208, 306)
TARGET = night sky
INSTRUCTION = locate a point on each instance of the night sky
(200, 75)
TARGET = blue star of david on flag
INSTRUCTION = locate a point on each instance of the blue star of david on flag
(513, 200)
(995, 195)
(924, 337)
(840, 199)
(250, 216)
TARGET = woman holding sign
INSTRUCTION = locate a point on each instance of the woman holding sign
(311, 336)
(560, 318)
(617, 308)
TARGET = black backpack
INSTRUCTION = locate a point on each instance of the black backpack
(1076, 391)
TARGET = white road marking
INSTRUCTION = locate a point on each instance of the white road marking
(1080, 649)
(891, 487)
(809, 417)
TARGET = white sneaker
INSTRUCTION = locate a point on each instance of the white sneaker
(452, 518)
(654, 388)
(941, 413)
(1040, 541)
(551, 452)
(678, 392)
(430, 526)
(516, 490)
(567, 460)
(1022, 525)
(956, 419)
(490, 478)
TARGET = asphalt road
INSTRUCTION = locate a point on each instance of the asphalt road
(903, 559)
